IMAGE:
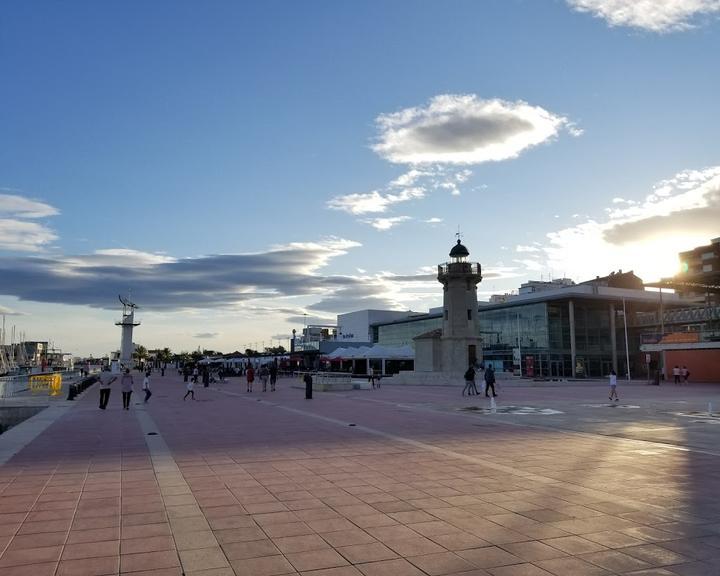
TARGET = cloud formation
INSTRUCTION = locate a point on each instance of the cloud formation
(373, 201)
(206, 335)
(465, 129)
(680, 213)
(162, 283)
(18, 233)
(387, 223)
(653, 15)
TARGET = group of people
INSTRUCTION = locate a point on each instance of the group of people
(488, 377)
(680, 375)
(127, 384)
(266, 372)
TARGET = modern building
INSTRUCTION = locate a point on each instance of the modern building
(570, 331)
(689, 336)
(356, 326)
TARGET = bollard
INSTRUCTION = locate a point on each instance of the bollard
(493, 406)
(72, 392)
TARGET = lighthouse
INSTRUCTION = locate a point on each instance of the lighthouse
(445, 353)
(460, 344)
(127, 323)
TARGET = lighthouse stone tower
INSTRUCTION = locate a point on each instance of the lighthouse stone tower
(459, 343)
(127, 323)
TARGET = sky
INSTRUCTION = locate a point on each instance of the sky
(243, 168)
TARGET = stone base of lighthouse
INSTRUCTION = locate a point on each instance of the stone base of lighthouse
(440, 360)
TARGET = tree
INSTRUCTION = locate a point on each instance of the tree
(140, 354)
(164, 355)
(275, 350)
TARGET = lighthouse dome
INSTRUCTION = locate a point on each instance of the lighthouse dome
(459, 251)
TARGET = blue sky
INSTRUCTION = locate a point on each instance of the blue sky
(237, 165)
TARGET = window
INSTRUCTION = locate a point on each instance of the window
(707, 267)
(446, 314)
(469, 314)
(707, 255)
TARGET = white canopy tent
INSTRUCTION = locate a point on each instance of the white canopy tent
(376, 352)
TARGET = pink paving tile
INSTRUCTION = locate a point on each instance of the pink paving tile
(37, 540)
(148, 561)
(441, 564)
(361, 553)
(398, 567)
(91, 550)
(46, 569)
(290, 544)
(519, 570)
(203, 559)
(145, 531)
(315, 560)
(25, 556)
(253, 549)
(572, 567)
(147, 544)
(267, 566)
(89, 567)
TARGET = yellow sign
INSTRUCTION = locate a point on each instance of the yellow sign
(50, 383)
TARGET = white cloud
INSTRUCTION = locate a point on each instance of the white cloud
(653, 15)
(523, 248)
(373, 201)
(433, 220)
(16, 233)
(387, 223)
(16, 206)
(464, 129)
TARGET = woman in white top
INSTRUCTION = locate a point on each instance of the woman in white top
(613, 386)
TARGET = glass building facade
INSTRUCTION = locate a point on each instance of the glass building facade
(536, 337)
(402, 333)
(540, 335)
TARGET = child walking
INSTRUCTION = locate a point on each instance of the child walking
(190, 390)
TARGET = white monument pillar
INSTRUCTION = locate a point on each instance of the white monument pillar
(127, 323)
(460, 343)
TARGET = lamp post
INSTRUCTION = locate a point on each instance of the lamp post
(627, 347)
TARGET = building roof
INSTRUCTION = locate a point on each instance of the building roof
(459, 251)
(430, 334)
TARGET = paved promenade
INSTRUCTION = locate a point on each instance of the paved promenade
(401, 481)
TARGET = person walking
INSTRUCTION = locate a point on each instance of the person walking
(684, 374)
(613, 386)
(146, 387)
(489, 381)
(206, 378)
(371, 376)
(106, 379)
(126, 386)
(190, 390)
(250, 377)
(195, 374)
(273, 376)
(469, 381)
(264, 374)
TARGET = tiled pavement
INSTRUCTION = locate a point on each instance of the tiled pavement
(390, 482)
